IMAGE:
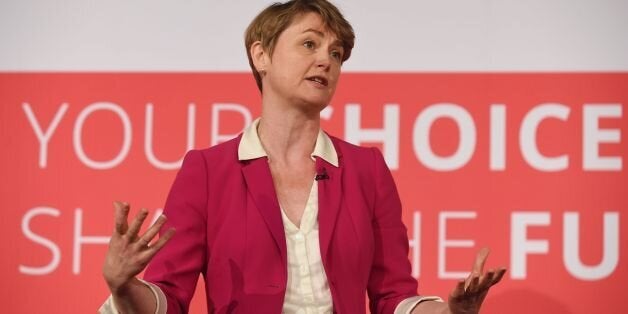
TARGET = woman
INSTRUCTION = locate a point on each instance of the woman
(283, 218)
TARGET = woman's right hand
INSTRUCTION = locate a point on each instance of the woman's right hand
(129, 253)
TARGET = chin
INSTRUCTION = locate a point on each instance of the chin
(319, 101)
(318, 104)
(313, 101)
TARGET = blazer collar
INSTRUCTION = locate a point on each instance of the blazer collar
(329, 201)
(250, 146)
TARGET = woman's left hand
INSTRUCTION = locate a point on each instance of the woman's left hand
(468, 295)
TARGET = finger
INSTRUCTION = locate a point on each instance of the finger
(468, 280)
(473, 284)
(480, 260)
(498, 276)
(136, 224)
(458, 290)
(163, 239)
(121, 216)
(486, 281)
(148, 236)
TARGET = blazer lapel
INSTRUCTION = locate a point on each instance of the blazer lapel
(259, 183)
(329, 197)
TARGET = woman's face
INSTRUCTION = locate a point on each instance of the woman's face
(305, 64)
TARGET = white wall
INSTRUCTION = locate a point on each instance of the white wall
(192, 35)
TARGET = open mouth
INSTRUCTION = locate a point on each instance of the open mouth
(318, 79)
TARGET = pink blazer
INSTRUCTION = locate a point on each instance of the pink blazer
(229, 228)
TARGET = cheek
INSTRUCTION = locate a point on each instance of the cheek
(287, 76)
(290, 69)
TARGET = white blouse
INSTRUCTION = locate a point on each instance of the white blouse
(307, 291)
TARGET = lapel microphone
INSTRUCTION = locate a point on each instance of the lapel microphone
(322, 176)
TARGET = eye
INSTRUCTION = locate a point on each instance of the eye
(308, 44)
(336, 54)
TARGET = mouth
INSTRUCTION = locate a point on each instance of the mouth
(318, 79)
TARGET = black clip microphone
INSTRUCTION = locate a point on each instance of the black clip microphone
(322, 176)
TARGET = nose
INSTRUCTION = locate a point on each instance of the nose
(323, 59)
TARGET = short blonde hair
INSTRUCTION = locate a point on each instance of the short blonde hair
(272, 21)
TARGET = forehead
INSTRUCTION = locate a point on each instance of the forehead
(309, 22)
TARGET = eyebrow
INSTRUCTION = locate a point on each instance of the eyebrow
(337, 42)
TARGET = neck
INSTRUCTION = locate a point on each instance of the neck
(288, 135)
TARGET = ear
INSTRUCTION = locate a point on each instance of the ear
(259, 56)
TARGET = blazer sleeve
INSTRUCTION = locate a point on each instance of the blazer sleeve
(176, 267)
(390, 279)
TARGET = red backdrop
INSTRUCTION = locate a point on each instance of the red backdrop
(531, 165)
